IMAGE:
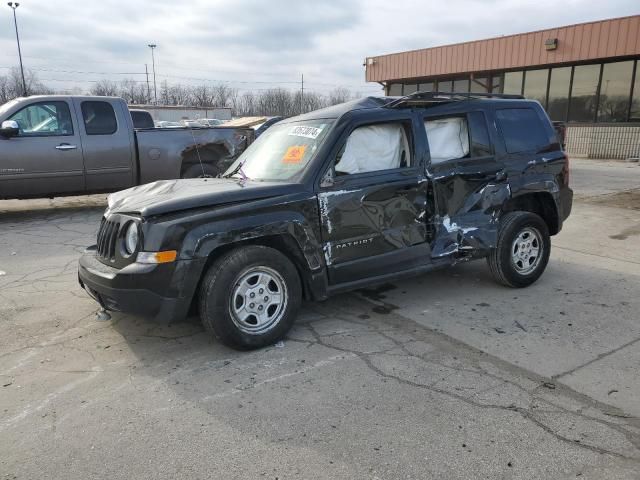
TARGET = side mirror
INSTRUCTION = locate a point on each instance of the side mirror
(10, 128)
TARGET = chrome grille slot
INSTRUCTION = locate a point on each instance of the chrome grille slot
(107, 238)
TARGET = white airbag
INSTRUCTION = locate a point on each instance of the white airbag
(372, 148)
(448, 138)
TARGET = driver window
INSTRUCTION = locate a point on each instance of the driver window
(44, 119)
(373, 148)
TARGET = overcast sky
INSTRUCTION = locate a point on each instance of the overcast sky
(257, 44)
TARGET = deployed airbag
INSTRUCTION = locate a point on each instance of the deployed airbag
(372, 148)
(448, 138)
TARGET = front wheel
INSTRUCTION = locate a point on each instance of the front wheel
(522, 251)
(249, 297)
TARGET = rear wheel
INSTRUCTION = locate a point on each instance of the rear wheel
(249, 297)
(522, 252)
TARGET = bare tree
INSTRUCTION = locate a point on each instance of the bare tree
(11, 85)
(222, 94)
(201, 96)
(339, 95)
(105, 88)
(134, 93)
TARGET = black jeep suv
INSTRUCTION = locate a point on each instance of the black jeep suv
(335, 200)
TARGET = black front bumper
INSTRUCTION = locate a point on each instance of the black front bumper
(162, 291)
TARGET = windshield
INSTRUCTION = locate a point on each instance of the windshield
(282, 152)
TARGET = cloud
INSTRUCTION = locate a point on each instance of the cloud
(254, 44)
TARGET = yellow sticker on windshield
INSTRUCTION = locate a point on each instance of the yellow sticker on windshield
(294, 154)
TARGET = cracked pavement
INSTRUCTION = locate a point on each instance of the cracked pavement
(445, 376)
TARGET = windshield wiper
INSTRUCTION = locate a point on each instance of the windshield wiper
(238, 169)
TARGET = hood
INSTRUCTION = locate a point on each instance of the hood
(168, 196)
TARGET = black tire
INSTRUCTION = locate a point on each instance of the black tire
(223, 281)
(521, 273)
(205, 170)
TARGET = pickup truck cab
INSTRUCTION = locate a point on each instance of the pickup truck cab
(335, 200)
(68, 145)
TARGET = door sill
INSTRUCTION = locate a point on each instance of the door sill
(370, 281)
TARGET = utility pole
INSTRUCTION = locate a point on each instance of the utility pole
(153, 46)
(15, 22)
(146, 72)
(302, 94)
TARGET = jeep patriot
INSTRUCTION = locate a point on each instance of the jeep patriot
(335, 200)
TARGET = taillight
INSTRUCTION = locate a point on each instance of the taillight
(565, 171)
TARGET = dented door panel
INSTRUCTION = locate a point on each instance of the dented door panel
(376, 224)
(467, 197)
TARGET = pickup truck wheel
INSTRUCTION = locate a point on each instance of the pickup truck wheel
(200, 171)
(250, 297)
(522, 251)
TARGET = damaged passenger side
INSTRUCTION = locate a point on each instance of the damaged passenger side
(469, 185)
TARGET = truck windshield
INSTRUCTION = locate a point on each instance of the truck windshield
(282, 152)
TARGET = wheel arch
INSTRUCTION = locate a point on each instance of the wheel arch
(285, 243)
(540, 203)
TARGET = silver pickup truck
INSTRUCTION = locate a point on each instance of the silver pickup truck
(71, 145)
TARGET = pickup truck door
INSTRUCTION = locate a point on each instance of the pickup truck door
(373, 221)
(468, 183)
(106, 130)
(45, 159)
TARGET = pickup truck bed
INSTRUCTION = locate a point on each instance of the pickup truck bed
(61, 145)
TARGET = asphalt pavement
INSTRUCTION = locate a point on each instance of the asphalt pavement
(446, 375)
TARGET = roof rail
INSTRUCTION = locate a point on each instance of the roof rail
(434, 98)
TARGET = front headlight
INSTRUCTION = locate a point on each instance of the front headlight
(131, 238)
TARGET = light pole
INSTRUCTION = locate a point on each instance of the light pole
(153, 46)
(13, 6)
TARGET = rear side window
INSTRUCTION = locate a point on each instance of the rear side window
(522, 130)
(448, 138)
(142, 119)
(99, 118)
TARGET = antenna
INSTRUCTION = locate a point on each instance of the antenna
(195, 144)
(302, 95)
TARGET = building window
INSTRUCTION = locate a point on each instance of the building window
(635, 101)
(461, 85)
(395, 89)
(426, 87)
(535, 85)
(409, 89)
(582, 107)
(558, 102)
(497, 82)
(615, 86)
(513, 83)
(479, 84)
(445, 86)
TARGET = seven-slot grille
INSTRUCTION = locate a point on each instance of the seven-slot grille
(107, 238)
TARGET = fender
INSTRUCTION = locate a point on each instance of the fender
(541, 193)
(295, 223)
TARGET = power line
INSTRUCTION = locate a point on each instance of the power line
(198, 79)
